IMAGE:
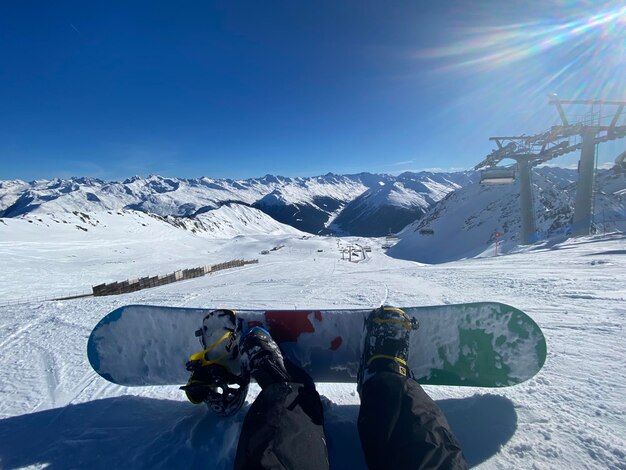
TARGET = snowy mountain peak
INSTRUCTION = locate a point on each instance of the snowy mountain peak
(312, 204)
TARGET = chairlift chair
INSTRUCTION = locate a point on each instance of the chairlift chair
(497, 175)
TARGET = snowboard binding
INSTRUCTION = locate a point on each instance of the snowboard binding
(217, 377)
(386, 343)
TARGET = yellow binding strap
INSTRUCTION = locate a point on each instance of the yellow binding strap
(393, 309)
(385, 356)
(405, 322)
(201, 356)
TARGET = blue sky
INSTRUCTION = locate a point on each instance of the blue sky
(239, 89)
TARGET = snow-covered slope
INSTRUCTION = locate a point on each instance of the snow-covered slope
(233, 220)
(464, 224)
(56, 412)
(126, 237)
(610, 202)
(10, 191)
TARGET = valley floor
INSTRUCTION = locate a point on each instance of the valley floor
(55, 411)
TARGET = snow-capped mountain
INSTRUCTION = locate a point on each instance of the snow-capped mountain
(10, 191)
(349, 204)
(310, 203)
(232, 220)
(461, 214)
(283, 198)
(464, 224)
(391, 205)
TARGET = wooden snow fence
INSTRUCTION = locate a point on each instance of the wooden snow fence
(133, 285)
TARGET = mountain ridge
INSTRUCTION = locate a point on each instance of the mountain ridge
(439, 216)
(310, 204)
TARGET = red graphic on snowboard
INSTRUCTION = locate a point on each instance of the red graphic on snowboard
(287, 326)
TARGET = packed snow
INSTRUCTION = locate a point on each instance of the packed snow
(56, 412)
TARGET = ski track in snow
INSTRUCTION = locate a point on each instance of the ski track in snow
(55, 411)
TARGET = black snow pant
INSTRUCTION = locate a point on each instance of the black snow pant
(284, 429)
(400, 427)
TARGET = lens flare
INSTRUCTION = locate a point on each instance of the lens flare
(585, 55)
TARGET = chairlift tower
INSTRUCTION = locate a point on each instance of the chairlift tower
(592, 132)
(530, 151)
(521, 149)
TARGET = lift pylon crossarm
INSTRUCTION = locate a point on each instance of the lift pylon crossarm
(497, 155)
(529, 151)
(541, 148)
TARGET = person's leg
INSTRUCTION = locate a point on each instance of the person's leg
(400, 426)
(284, 427)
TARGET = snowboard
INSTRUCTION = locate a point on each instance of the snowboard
(483, 344)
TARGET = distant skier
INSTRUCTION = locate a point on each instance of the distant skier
(400, 426)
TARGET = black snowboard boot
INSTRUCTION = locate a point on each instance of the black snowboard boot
(262, 358)
(386, 343)
(216, 375)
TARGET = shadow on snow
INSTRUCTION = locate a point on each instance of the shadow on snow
(136, 432)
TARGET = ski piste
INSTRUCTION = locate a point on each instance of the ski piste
(482, 344)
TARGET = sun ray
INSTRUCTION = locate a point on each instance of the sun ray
(600, 36)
